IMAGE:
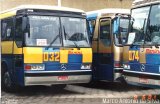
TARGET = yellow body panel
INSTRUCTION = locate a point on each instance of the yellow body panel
(104, 49)
(17, 50)
(63, 56)
(142, 56)
(87, 55)
(126, 54)
(94, 46)
(7, 14)
(33, 55)
(118, 53)
(7, 47)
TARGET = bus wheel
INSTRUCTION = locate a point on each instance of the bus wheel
(7, 84)
(122, 81)
(60, 86)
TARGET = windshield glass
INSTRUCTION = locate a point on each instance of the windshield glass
(153, 29)
(139, 22)
(123, 30)
(42, 31)
(75, 32)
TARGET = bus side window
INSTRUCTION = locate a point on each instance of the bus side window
(3, 28)
(7, 29)
(19, 33)
(92, 24)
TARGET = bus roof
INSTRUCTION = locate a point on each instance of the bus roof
(139, 3)
(96, 13)
(44, 7)
(12, 12)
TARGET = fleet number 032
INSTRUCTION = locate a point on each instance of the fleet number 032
(51, 56)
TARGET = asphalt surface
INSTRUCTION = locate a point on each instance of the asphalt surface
(97, 93)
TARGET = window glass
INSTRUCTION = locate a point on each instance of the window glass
(75, 32)
(3, 28)
(120, 38)
(105, 32)
(92, 24)
(43, 31)
(153, 30)
(19, 33)
(7, 29)
(139, 21)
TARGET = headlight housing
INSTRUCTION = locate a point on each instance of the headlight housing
(35, 67)
(86, 66)
(125, 66)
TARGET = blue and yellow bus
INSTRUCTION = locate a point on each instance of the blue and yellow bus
(108, 29)
(142, 51)
(44, 45)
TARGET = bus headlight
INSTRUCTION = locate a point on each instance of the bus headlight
(86, 66)
(125, 66)
(35, 67)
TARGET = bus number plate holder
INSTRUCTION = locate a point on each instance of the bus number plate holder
(143, 80)
(62, 78)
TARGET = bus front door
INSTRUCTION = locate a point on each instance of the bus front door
(105, 68)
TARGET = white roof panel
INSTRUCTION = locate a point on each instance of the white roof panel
(139, 3)
(110, 10)
(45, 7)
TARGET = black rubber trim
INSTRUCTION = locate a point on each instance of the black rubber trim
(118, 70)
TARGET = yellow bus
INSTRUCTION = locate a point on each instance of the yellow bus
(44, 45)
(142, 51)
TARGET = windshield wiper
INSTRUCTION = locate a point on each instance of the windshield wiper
(157, 45)
(68, 36)
(54, 39)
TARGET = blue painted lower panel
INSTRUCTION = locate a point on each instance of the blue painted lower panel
(151, 68)
(17, 73)
(20, 76)
(153, 59)
(103, 71)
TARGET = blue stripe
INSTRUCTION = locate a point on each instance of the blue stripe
(92, 16)
(75, 58)
(153, 58)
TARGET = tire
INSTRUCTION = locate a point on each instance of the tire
(60, 86)
(122, 81)
(7, 84)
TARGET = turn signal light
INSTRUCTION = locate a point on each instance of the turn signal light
(27, 67)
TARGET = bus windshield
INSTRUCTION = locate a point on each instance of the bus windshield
(139, 22)
(123, 30)
(42, 30)
(153, 29)
(75, 32)
(47, 31)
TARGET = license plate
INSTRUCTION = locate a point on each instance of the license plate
(62, 78)
(143, 80)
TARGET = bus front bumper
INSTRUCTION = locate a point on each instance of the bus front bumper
(56, 77)
(141, 78)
